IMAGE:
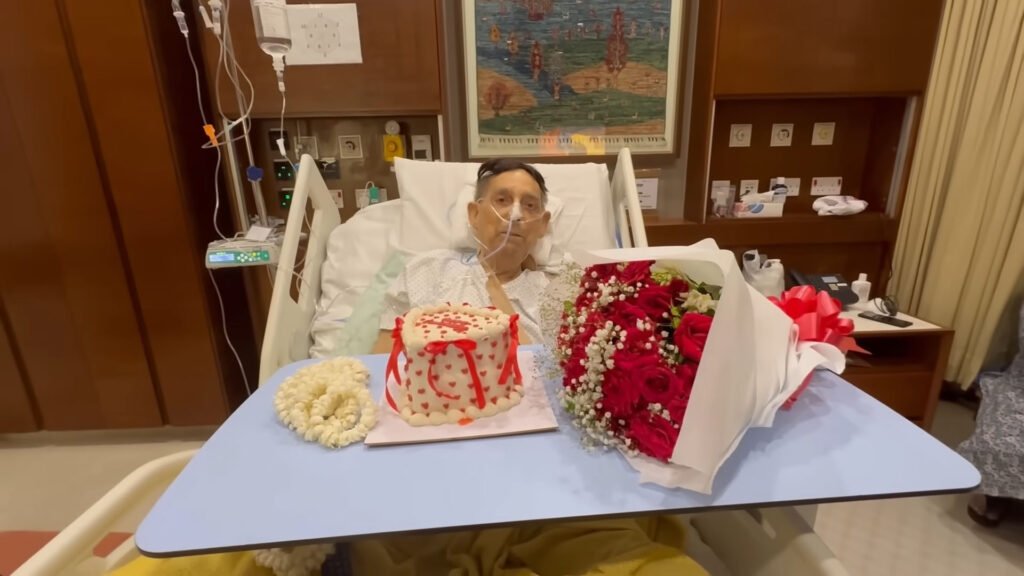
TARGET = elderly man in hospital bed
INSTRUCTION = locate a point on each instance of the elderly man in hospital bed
(506, 220)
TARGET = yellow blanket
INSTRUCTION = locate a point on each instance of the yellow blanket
(628, 547)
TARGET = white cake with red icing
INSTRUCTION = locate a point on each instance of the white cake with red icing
(460, 363)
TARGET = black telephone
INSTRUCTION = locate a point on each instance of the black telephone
(834, 284)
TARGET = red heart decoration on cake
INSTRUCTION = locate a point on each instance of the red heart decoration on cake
(421, 353)
(494, 399)
(408, 397)
(452, 384)
(494, 343)
(419, 372)
(491, 356)
(483, 373)
(447, 366)
(421, 391)
(424, 405)
(445, 405)
(479, 356)
(487, 388)
(465, 370)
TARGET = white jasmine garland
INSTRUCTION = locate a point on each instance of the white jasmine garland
(328, 402)
(297, 561)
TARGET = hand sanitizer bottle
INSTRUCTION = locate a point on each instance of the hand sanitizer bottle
(862, 288)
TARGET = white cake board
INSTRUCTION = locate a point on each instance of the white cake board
(532, 414)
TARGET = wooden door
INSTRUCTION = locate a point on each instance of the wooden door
(72, 314)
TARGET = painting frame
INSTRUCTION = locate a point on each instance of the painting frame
(571, 138)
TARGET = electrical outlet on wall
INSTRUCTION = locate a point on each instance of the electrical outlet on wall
(823, 133)
(748, 187)
(826, 186)
(339, 197)
(793, 184)
(782, 135)
(739, 135)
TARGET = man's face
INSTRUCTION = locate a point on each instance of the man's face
(502, 191)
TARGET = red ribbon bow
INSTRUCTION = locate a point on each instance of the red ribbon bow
(467, 346)
(816, 315)
(392, 368)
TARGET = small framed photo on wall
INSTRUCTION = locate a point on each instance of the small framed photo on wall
(589, 77)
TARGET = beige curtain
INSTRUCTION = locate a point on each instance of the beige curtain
(960, 253)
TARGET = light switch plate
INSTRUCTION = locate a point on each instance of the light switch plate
(792, 183)
(748, 187)
(782, 135)
(823, 133)
(339, 197)
(739, 135)
(306, 145)
(826, 186)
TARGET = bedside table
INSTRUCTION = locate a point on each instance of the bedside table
(906, 365)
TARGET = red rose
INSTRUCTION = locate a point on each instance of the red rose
(634, 272)
(686, 373)
(604, 273)
(655, 301)
(626, 314)
(620, 393)
(653, 435)
(634, 361)
(679, 286)
(659, 384)
(692, 334)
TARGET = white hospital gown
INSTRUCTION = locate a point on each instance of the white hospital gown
(448, 276)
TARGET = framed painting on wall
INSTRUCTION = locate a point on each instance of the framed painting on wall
(571, 77)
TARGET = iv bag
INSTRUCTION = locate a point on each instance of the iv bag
(271, 20)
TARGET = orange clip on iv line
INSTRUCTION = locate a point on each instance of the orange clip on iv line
(210, 133)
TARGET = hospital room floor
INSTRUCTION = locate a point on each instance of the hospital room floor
(48, 479)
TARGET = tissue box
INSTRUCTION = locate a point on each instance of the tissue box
(758, 209)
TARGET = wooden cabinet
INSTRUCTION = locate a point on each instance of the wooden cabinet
(400, 73)
(825, 46)
(905, 368)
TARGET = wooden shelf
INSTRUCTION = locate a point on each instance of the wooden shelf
(802, 229)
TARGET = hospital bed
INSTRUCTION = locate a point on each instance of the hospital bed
(339, 261)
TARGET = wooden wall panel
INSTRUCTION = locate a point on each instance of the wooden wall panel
(125, 102)
(400, 73)
(17, 413)
(825, 46)
(64, 284)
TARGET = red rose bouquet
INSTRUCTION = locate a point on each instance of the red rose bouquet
(629, 345)
(672, 371)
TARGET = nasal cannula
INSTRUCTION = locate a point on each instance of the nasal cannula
(516, 215)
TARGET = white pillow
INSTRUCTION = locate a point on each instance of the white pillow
(355, 251)
(429, 189)
(462, 236)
